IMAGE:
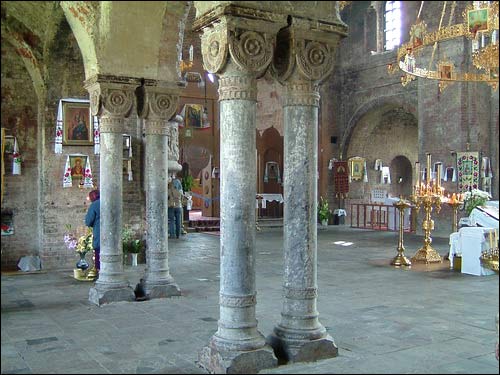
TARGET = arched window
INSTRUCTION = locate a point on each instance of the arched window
(392, 29)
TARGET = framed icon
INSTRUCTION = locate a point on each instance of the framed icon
(77, 124)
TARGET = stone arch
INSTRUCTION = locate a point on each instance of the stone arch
(30, 61)
(112, 38)
(395, 102)
(269, 148)
(373, 136)
(401, 175)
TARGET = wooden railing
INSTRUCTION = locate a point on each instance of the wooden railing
(379, 217)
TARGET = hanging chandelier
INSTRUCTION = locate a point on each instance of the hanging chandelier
(480, 26)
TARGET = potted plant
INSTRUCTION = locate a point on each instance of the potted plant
(131, 245)
(324, 212)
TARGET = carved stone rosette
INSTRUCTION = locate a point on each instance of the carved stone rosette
(250, 45)
(159, 103)
(308, 53)
(110, 100)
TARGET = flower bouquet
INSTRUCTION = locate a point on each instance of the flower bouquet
(80, 241)
(475, 198)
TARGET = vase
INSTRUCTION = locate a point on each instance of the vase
(82, 262)
(134, 259)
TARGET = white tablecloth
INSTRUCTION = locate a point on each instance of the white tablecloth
(267, 197)
(486, 216)
(470, 242)
(393, 215)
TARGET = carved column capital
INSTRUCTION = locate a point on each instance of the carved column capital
(157, 102)
(110, 97)
(246, 36)
(306, 49)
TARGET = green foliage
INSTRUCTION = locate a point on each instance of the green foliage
(131, 244)
(187, 183)
(324, 212)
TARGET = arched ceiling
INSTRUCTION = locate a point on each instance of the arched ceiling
(129, 38)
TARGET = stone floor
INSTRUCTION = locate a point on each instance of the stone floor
(383, 319)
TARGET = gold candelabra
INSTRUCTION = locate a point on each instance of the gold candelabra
(480, 26)
(427, 194)
(400, 259)
(489, 258)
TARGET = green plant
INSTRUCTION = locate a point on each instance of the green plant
(324, 212)
(187, 182)
(130, 244)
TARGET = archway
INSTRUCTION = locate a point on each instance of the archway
(401, 176)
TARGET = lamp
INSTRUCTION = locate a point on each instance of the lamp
(480, 25)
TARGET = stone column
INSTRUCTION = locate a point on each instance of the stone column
(302, 60)
(379, 7)
(237, 346)
(112, 102)
(160, 105)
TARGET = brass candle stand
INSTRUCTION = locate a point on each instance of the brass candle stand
(400, 259)
(489, 258)
(454, 204)
(92, 273)
(427, 196)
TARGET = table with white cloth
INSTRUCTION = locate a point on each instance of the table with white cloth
(262, 200)
(393, 214)
(485, 216)
(267, 197)
(470, 242)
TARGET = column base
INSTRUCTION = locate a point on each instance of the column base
(162, 290)
(289, 351)
(102, 296)
(216, 361)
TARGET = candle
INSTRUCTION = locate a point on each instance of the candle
(428, 180)
(438, 177)
(491, 240)
(417, 173)
(191, 52)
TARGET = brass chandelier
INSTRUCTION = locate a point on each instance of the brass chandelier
(480, 26)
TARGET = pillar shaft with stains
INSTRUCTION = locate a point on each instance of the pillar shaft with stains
(160, 105)
(112, 102)
(303, 59)
(238, 55)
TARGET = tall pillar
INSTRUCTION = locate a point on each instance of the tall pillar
(303, 59)
(379, 7)
(112, 102)
(160, 105)
(239, 56)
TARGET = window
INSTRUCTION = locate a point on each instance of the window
(392, 24)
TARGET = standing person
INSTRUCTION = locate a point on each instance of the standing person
(92, 219)
(175, 208)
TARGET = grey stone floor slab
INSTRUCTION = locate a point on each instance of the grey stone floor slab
(383, 319)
